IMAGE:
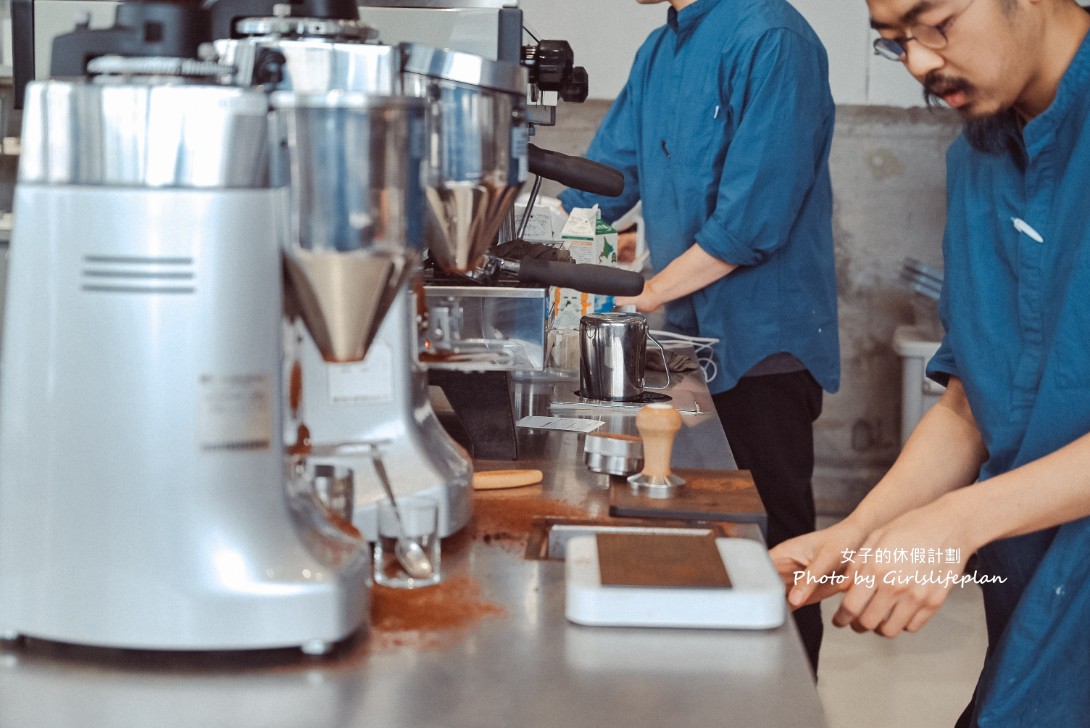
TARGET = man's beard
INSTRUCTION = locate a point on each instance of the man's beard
(998, 133)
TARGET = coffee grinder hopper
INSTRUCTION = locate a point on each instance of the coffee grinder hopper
(477, 147)
(354, 166)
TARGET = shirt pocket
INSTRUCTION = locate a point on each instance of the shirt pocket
(703, 134)
(698, 163)
(703, 119)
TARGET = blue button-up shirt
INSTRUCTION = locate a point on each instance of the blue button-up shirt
(723, 130)
(1016, 307)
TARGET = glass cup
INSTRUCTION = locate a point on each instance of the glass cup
(420, 521)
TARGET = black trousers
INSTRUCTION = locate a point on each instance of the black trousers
(769, 422)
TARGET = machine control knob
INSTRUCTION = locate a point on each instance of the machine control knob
(578, 87)
(552, 68)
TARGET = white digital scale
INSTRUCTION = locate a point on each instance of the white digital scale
(754, 598)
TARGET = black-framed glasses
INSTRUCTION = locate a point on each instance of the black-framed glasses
(929, 36)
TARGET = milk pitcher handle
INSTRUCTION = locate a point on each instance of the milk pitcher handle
(665, 364)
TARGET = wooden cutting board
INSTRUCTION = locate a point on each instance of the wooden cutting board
(708, 495)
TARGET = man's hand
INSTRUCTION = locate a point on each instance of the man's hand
(626, 246)
(812, 566)
(908, 571)
(646, 302)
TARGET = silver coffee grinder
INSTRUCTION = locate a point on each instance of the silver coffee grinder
(146, 497)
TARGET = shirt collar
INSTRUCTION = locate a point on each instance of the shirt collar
(685, 22)
(1073, 85)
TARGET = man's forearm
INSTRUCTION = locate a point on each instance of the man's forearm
(689, 272)
(1047, 492)
(944, 453)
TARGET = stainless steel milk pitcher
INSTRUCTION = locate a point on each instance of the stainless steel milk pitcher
(612, 356)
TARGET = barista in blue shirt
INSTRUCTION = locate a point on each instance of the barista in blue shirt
(1001, 465)
(723, 131)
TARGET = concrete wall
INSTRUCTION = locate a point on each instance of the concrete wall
(888, 174)
(888, 169)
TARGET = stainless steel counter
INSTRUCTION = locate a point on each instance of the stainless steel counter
(496, 650)
(3, 284)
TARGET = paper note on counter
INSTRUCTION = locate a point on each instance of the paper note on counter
(569, 424)
(684, 402)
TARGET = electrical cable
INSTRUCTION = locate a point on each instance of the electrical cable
(527, 212)
(701, 346)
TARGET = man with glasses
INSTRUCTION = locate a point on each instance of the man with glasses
(723, 131)
(1000, 466)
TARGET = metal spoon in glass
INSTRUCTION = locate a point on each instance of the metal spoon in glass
(409, 553)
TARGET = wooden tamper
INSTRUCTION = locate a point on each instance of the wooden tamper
(658, 425)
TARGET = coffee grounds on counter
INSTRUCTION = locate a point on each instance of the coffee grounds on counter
(505, 520)
(433, 617)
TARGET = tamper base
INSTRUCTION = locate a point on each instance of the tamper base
(656, 486)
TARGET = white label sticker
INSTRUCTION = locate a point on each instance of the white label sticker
(235, 412)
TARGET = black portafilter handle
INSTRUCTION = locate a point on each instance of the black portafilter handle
(576, 172)
(585, 277)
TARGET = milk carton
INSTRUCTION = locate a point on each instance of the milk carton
(588, 239)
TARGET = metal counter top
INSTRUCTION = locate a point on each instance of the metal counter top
(504, 655)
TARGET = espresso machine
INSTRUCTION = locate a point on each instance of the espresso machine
(149, 497)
